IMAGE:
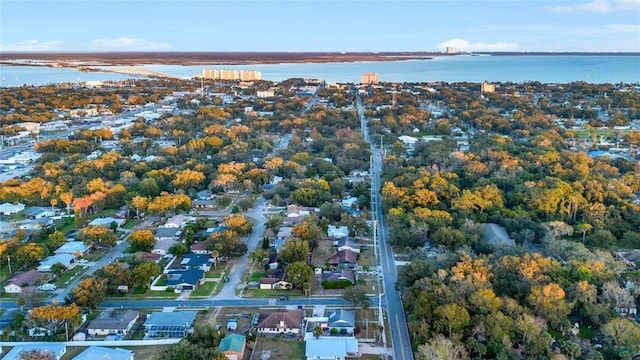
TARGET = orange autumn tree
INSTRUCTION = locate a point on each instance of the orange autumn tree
(54, 316)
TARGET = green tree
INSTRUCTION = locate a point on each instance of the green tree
(144, 273)
(298, 273)
(356, 295)
(294, 250)
(451, 318)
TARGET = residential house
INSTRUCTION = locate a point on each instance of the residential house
(349, 202)
(55, 351)
(162, 246)
(344, 258)
(281, 322)
(358, 173)
(233, 346)
(115, 321)
(107, 221)
(197, 261)
(178, 221)
(631, 257)
(77, 248)
(21, 280)
(273, 261)
(201, 204)
(343, 320)
(147, 256)
(338, 275)
(199, 247)
(337, 232)
(122, 213)
(627, 310)
(408, 141)
(169, 324)
(496, 235)
(347, 243)
(284, 232)
(10, 209)
(103, 353)
(298, 211)
(167, 233)
(291, 221)
(38, 212)
(67, 260)
(277, 282)
(331, 348)
(184, 279)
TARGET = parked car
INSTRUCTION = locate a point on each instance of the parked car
(283, 298)
(47, 287)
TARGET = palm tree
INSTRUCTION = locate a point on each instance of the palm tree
(317, 331)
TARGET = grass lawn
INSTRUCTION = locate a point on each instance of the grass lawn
(366, 258)
(256, 276)
(586, 333)
(213, 274)
(210, 223)
(272, 293)
(146, 352)
(106, 213)
(279, 348)
(68, 275)
(554, 333)
(162, 281)
(204, 289)
(150, 293)
(131, 223)
(67, 225)
(72, 351)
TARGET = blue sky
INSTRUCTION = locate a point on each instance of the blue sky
(318, 25)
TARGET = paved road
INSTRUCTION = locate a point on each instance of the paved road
(395, 312)
(235, 276)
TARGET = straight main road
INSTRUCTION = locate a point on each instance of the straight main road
(395, 311)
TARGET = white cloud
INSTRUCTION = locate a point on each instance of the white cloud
(597, 6)
(622, 28)
(129, 44)
(32, 45)
(464, 45)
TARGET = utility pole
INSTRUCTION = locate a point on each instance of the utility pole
(9, 261)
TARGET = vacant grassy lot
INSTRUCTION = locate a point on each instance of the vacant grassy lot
(320, 255)
(278, 349)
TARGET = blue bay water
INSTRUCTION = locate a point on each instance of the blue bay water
(523, 68)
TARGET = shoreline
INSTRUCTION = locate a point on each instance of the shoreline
(251, 58)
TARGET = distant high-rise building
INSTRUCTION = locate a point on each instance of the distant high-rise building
(370, 78)
(487, 88)
(245, 75)
(451, 50)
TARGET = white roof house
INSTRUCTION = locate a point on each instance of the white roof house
(106, 221)
(330, 348)
(56, 349)
(408, 141)
(337, 232)
(73, 248)
(64, 259)
(179, 221)
(10, 209)
(103, 353)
